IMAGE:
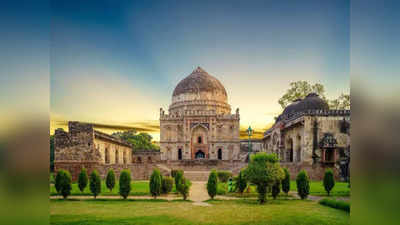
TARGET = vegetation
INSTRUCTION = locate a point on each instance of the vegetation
(95, 183)
(63, 183)
(300, 89)
(263, 171)
(286, 181)
(212, 184)
(235, 212)
(167, 184)
(184, 187)
(110, 180)
(141, 141)
(329, 181)
(241, 182)
(155, 183)
(82, 180)
(125, 183)
(337, 204)
(303, 184)
(223, 176)
(178, 177)
(276, 189)
(174, 172)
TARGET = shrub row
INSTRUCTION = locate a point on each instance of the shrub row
(337, 204)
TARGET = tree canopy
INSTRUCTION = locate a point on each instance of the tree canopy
(141, 141)
(300, 89)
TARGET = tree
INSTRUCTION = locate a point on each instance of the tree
(303, 184)
(167, 184)
(125, 183)
(184, 189)
(343, 102)
(212, 184)
(95, 183)
(82, 180)
(63, 183)
(286, 181)
(241, 182)
(142, 141)
(329, 181)
(178, 177)
(110, 180)
(276, 189)
(263, 171)
(155, 183)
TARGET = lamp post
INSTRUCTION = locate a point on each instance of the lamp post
(250, 133)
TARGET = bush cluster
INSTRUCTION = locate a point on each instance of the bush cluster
(95, 183)
(303, 184)
(174, 172)
(337, 204)
(178, 177)
(63, 183)
(184, 187)
(155, 183)
(212, 184)
(125, 183)
(110, 180)
(167, 184)
(223, 176)
(276, 189)
(329, 181)
(82, 180)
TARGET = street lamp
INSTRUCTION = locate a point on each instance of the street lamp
(250, 133)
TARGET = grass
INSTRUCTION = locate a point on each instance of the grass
(245, 211)
(316, 188)
(337, 204)
(139, 188)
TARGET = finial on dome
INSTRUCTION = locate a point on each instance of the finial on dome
(198, 69)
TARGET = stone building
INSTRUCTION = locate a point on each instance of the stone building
(308, 135)
(199, 124)
(257, 145)
(83, 146)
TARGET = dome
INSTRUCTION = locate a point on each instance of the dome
(199, 81)
(311, 102)
(200, 91)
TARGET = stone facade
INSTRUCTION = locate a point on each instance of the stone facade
(199, 124)
(310, 138)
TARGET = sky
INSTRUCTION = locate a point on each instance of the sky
(115, 63)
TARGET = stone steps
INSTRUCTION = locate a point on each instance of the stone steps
(197, 175)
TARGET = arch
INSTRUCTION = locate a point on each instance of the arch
(298, 151)
(289, 150)
(107, 156)
(179, 154)
(199, 134)
(200, 154)
(199, 140)
(220, 154)
(116, 156)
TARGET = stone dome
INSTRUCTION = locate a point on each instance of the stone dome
(311, 102)
(200, 88)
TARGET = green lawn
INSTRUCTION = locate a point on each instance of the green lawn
(138, 188)
(316, 188)
(104, 212)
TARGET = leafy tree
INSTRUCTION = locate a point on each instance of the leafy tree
(303, 184)
(125, 183)
(155, 183)
(95, 183)
(63, 183)
(167, 184)
(263, 171)
(212, 184)
(141, 141)
(343, 102)
(276, 189)
(329, 181)
(184, 189)
(82, 179)
(241, 182)
(110, 180)
(178, 178)
(286, 181)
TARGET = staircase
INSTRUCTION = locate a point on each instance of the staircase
(196, 175)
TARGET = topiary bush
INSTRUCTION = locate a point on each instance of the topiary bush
(174, 172)
(241, 182)
(286, 181)
(329, 181)
(276, 189)
(178, 177)
(184, 187)
(223, 176)
(63, 183)
(110, 180)
(303, 184)
(212, 184)
(335, 204)
(95, 183)
(155, 183)
(82, 179)
(125, 183)
(167, 184)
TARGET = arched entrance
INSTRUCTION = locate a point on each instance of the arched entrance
(220, 154)
(179, 154)
(200, 155)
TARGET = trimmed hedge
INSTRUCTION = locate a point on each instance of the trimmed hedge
(82, 180)
(125, 183)
(329, 181)
(110, 180)
(303, 184)
(63, 183)
(95, 183)
(155, 183)
(167, 184)
(223, 176)
(212, 184)
(337, 204)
